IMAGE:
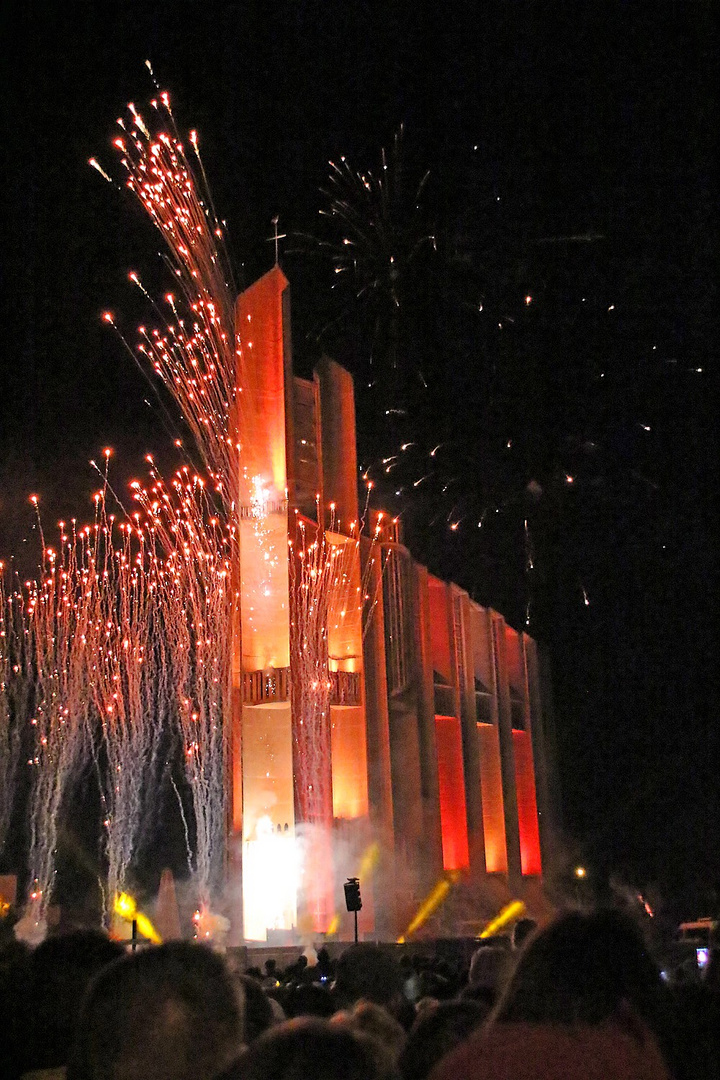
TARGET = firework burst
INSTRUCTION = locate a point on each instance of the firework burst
(195, 350)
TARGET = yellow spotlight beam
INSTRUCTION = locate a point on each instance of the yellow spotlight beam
(126, 907)
(512, 911)
(368, 863)
(333, 925)
(369, 860)
(430, 904)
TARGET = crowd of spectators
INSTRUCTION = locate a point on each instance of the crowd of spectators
(580, 997)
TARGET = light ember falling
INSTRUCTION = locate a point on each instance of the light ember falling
(115, 645)
(126, 633)
(195, 631)
(328, 590)
(195, 351)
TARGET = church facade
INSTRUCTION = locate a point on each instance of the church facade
(386, 727)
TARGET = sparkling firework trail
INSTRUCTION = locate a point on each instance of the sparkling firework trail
(57, 609)
(375, 235)
(14, 684)
(126, 654)
(377, 224)
(195, 352)
(330, 596)
(196, 604)
(119, 640)
(196, 355)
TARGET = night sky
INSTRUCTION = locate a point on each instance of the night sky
(557, 152)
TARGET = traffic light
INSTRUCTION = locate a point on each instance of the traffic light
(353, 900)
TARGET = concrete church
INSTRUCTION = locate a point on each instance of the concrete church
(385, 725)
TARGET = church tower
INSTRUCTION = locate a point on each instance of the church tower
(385, 726)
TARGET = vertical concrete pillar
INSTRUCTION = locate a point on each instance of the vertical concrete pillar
(402, 672)
(525, 783)
(339, 453)
(448, 728)
(289, 395)
(507, 754)
(378, 753)
(544, 756)
(233, 779)
(430, 790)
(259, 322)
(464, 663)
(491, 785)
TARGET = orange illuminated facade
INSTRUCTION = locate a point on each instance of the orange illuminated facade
(385, 725)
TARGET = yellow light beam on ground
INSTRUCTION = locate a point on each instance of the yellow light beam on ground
(512, 911)
(126, 907)
(430, 904)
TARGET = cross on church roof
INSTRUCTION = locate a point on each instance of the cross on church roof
(276, 238)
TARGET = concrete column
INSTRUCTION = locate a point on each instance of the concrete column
(507, 755)
(544, 755)
(432, 843)
(339, 453)
(464, 665)
(377, 715)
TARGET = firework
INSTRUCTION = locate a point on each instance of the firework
(376, 224)
(195, 351)
(377, 241)
(13, 706)
(195, 608)
(128, 676)
(58, 610)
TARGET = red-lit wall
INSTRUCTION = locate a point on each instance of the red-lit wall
(439, 630)
(527, 804)
(453, 816)
(492, 800)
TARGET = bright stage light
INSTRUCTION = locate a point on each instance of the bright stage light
(126, 907)
(514, 910)
(430, 904)
(271, 876)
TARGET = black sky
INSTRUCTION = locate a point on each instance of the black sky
(591, 120)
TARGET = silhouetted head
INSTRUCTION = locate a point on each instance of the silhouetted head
(367, 971)
(170, 1013)
(582, 967)
(488, 967)
(309, 1000)
(59, 971)
(521, 931)
(311, 1049)
(258, 1015)
(374, 1020)
(437, 1030)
